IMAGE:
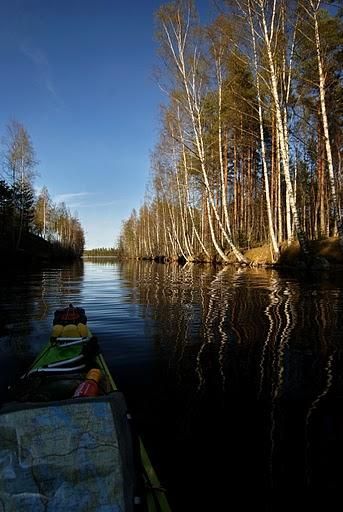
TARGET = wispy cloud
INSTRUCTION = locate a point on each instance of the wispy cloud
(36, 55)
(71, 196)
(95, 205)
(43, 68)
(82, 200)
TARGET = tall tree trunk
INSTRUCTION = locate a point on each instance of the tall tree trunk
(263, 147)
(282, 130)
(189, 78)
(213, 235)
(334, 201)
(189, 207)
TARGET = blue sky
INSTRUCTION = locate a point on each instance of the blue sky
(78, 74)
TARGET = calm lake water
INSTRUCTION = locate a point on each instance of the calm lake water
(234, 376)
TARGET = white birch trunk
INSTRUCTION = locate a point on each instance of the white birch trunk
(263, 149)
(189, 250)
(282, 130)
(175, 232)
(44, 217)
(184, 160)
(220, 145)
(335, 206)
(213, 235)
(189, 80)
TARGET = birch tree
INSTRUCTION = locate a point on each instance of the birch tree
(42, 212)
(315, 5)
(176, 25)
(244, 154)
(265, 25)
(20, 163)
(262, 139)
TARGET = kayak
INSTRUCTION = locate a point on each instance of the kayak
(67, 438)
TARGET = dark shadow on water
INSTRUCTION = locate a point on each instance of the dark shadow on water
(234, 376)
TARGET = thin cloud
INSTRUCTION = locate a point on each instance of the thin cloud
(41, 63)
(81, 200)
(66, 198)
(35, 55)
(93, 205)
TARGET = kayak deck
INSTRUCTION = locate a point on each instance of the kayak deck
(57, 371)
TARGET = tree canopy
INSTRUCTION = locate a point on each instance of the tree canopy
(21, 211)
(250, 148)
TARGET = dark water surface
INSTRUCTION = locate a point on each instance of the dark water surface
(234, 376)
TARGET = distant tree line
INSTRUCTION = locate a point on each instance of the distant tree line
(102, 251)
(21, 211)
(250, 148)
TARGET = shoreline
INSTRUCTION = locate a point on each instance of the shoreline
(325, 254)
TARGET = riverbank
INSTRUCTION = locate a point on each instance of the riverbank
(34, 250)
(324, 254)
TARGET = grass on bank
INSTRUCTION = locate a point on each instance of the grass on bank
(327, 250)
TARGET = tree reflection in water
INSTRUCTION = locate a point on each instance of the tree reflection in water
(268, 341)
(233, 367)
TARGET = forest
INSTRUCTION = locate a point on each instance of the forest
(104, 252)
(26, 216)
(250, 144)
